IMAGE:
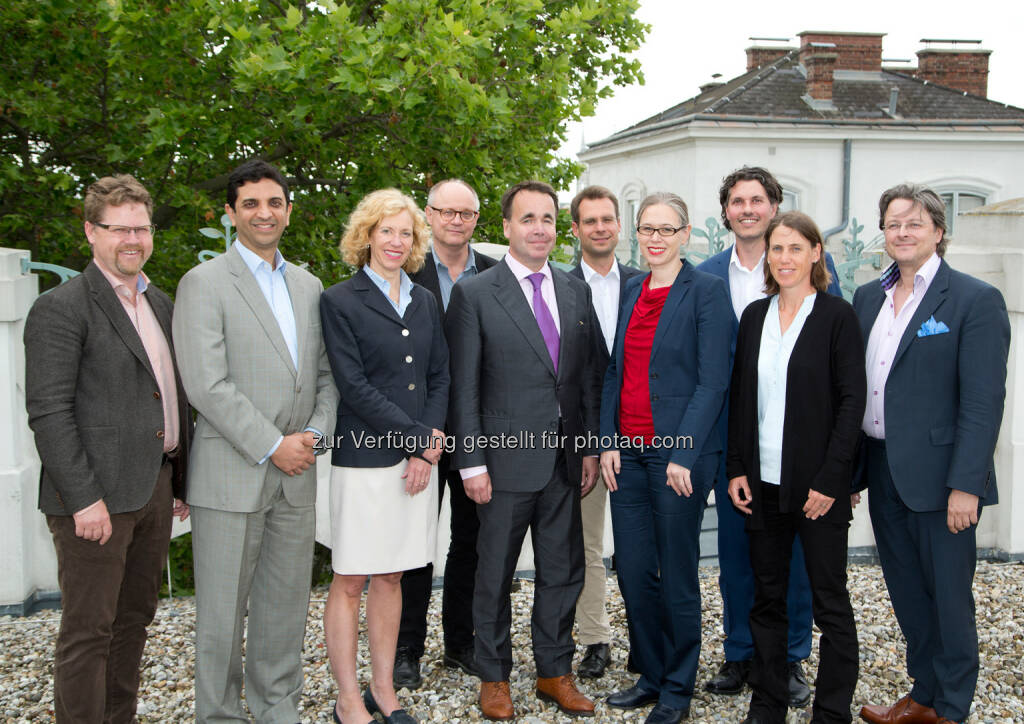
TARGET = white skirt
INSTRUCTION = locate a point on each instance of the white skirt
(376, 527)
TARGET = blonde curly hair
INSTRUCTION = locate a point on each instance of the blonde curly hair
(355, 244)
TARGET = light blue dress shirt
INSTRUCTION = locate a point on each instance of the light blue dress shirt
(275, 291)
(444, 279)
(772, 368)
(404, 288)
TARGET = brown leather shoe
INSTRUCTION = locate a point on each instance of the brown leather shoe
(562, 691)
(904, 711)
(944, 720)
(496, 701)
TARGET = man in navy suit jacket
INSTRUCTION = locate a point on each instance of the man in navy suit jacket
(937, 343)
(750, 198)
(595, 222)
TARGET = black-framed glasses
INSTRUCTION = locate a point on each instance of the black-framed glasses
(449, 214)
(123, 232)
(663, 231)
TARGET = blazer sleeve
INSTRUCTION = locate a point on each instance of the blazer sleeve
(462, 328)
(714, 337)
(438, 378)
(739, 400)
(325, 407)
(201, 350)
(54, 338)
(373, 407)
(849, 391)
(984, 346)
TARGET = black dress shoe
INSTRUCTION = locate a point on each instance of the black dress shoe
(463, 659)
(731, 678)
(799, 690)
(662, 714)
(595, 661)
(398, 716)
(407, 670)
(337, 719)
(631, 698)
(631, 667)
(754, 720)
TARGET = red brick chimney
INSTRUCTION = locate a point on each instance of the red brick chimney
(820, 61)
(758, 55)
(855, 51)
(964, 70)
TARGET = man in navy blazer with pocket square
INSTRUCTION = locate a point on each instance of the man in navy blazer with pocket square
(937, 343)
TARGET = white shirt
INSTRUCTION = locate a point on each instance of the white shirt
(605, 295)
(745, 285)
(772, 368)
(884, 340)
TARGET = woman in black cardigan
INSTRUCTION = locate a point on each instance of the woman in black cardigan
(796, 404)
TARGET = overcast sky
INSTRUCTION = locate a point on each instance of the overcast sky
(688, 42)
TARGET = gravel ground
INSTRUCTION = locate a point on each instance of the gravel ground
(26, 655)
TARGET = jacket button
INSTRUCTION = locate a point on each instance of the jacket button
(160, 434)
(654, 375)
(408, 358)
(654, 398)
(405, 332)
(412, 385)
(156, 395)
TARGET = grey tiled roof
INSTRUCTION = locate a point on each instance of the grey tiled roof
(777, 91)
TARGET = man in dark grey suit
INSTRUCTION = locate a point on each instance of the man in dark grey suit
(522, 338)
(595, 222)
(936, 341)
(453, 208)
(112, 429)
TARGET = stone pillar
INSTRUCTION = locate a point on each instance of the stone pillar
(28, 564)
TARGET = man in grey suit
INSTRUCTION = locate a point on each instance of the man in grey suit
(522, 338)
(595, 222)
(112, 429)
(247, 330)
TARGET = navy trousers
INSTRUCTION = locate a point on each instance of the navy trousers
(736, 583)
(657, 549)
(929, 572)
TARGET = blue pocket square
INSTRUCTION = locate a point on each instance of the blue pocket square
(930, 327)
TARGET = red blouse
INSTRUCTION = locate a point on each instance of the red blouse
(635, 417)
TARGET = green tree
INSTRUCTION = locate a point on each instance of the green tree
(344, 97)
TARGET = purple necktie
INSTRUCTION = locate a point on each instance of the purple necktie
(545, 321)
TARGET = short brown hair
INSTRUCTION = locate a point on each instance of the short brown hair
(355, 244)
(538, 186)
(920, 195)
(763, 176)
(114, 191)
(804, 225)
(591, 193)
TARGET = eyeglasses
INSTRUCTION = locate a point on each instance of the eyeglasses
(663, 231)
(123, 232)
(895, 227)
(449, 214)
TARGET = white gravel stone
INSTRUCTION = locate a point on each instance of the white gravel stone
(26, 660)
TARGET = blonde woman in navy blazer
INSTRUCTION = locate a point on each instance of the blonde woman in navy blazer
(795, 409)
(390, 362)
(658, 491)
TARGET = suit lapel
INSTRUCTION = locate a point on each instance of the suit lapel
(427, 277)
(106, 299)
(932, 300)
(626, 308)
(510, 297)
(565, 299)
(680, 288)
(374, 298)
(300, 308)
(251, 294)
